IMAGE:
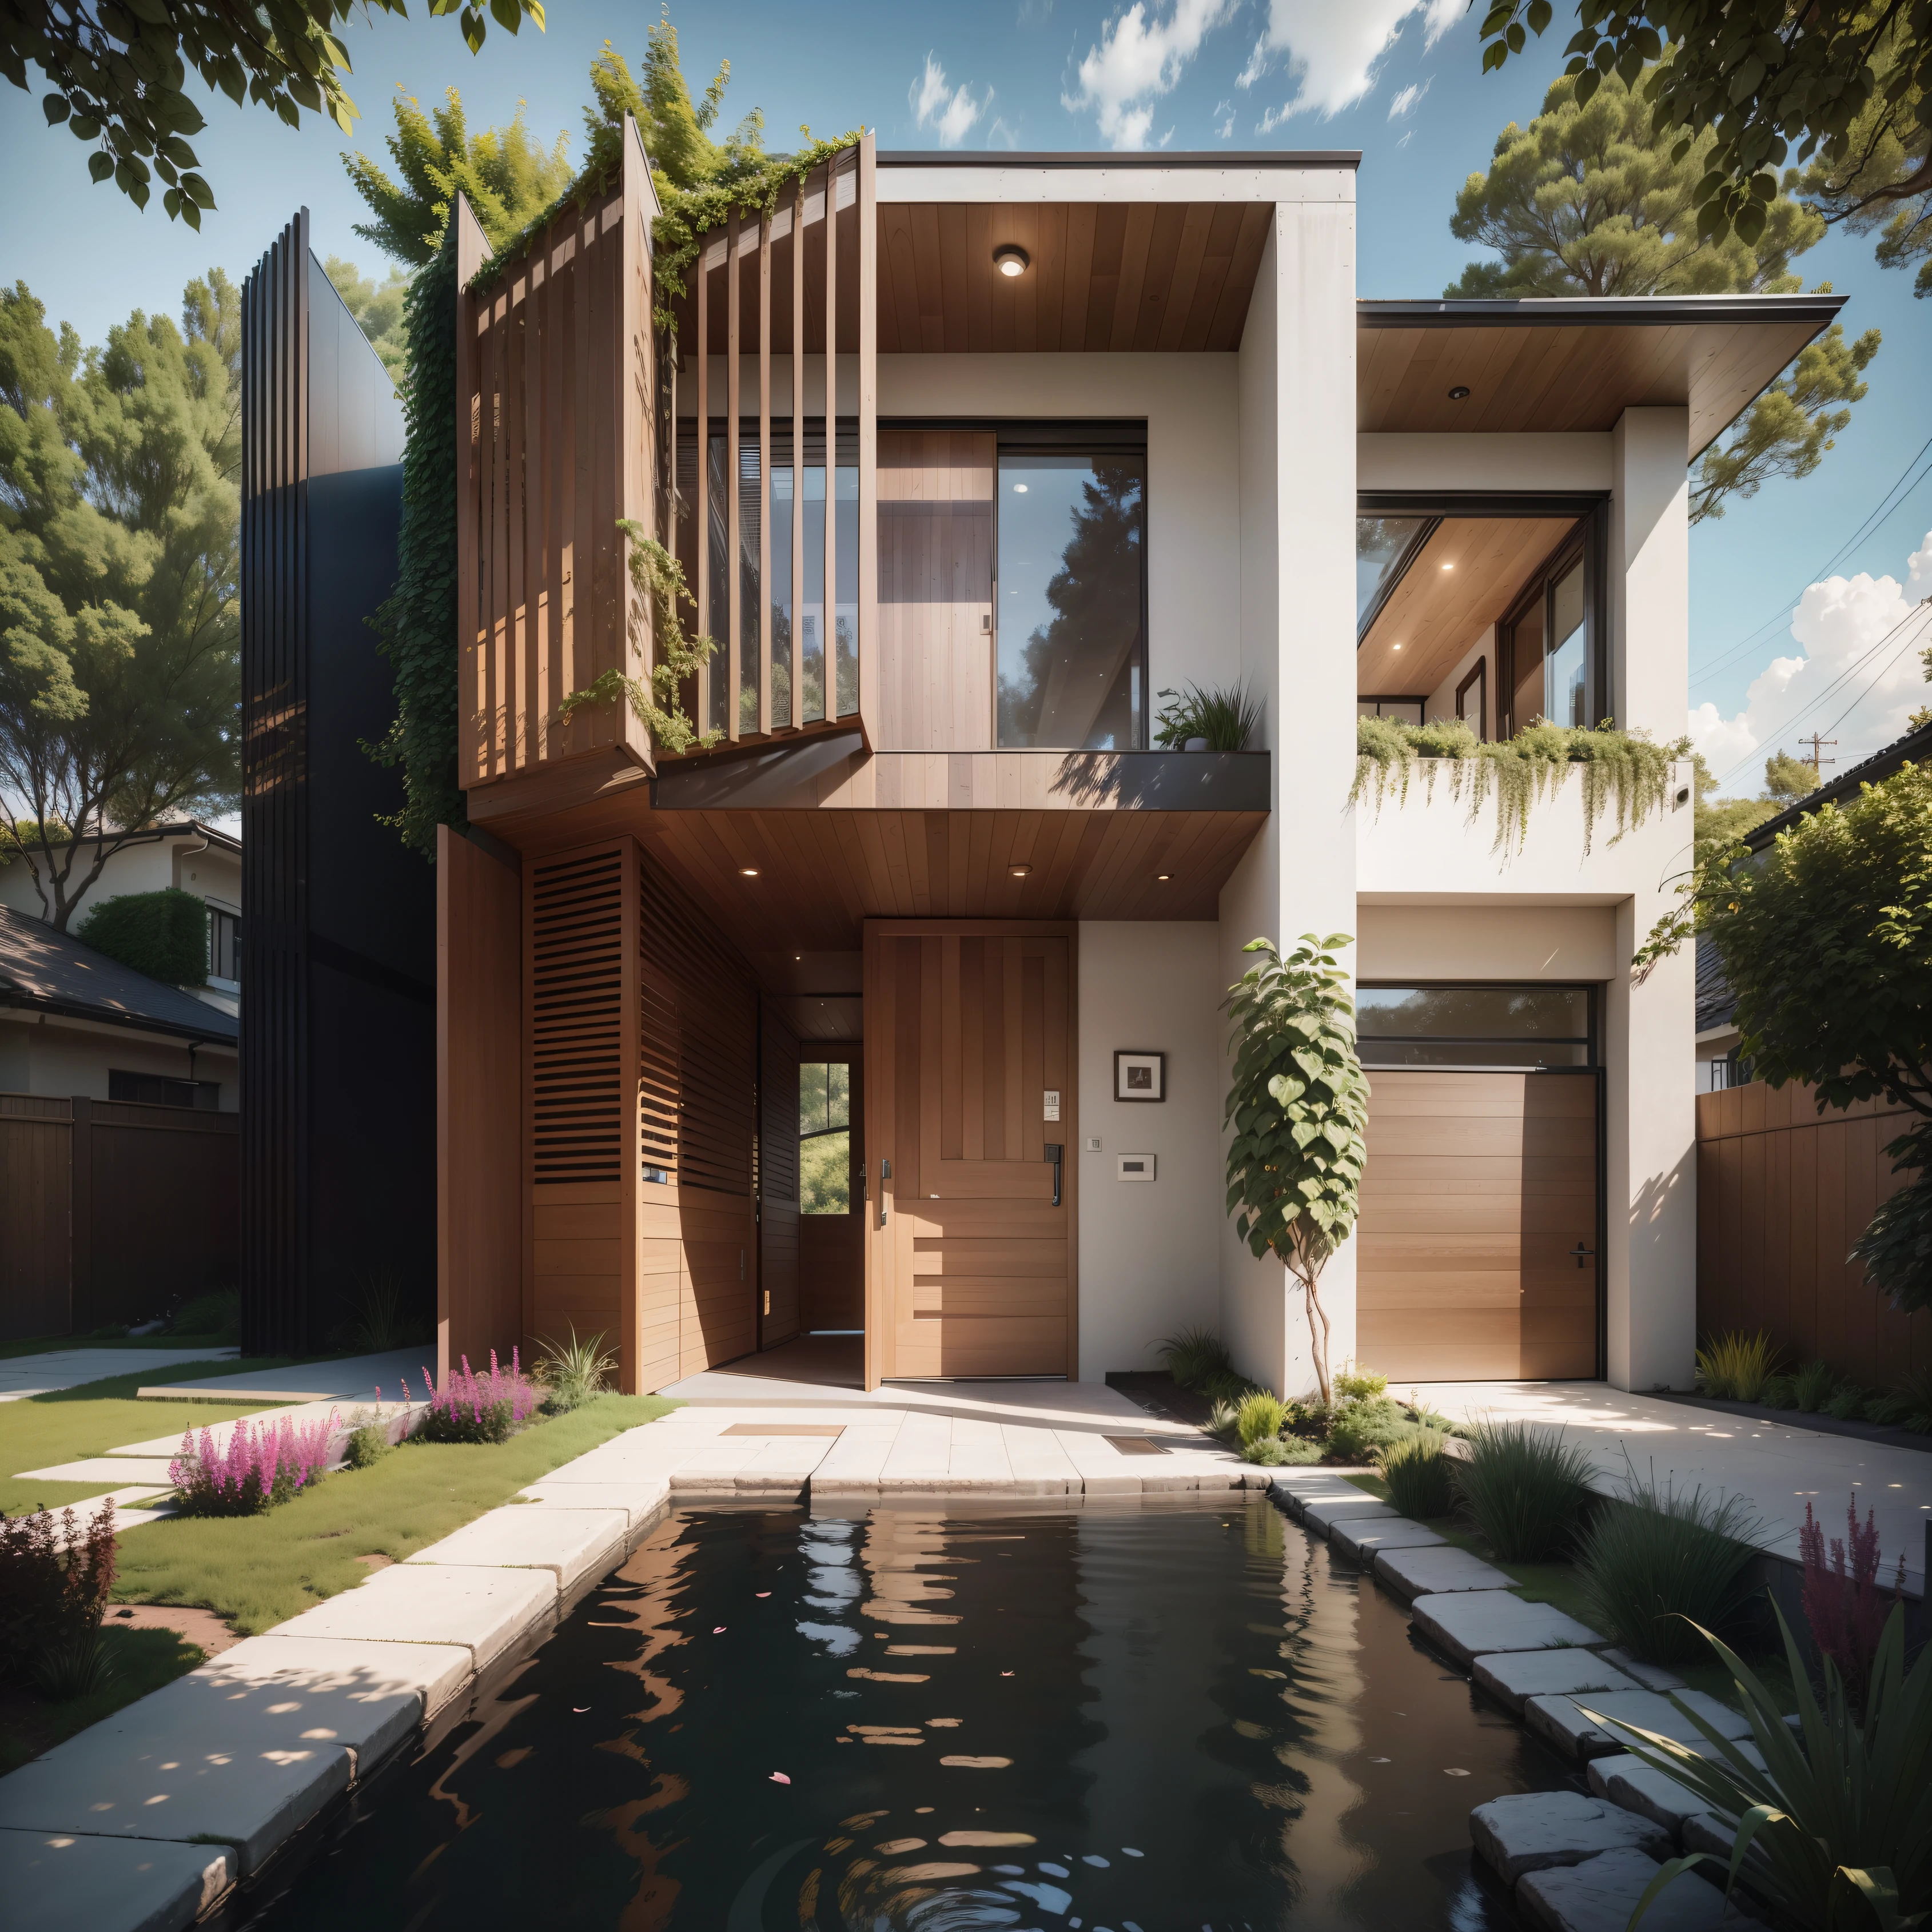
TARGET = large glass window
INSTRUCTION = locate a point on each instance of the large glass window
(1566, 693)
(1384, 546)
(1072, 574)
(1527, 1026)
(825, 1137)
(1550, 650)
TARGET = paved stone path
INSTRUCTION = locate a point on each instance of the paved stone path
(23, 1375)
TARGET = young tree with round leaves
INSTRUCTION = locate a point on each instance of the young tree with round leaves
(1298, 1104)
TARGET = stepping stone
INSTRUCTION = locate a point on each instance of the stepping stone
(486, 1611)
(1319, 1516)
(1623, 1779)
(1361, 1537)
(110, 1885)
(570, 1545)
(1514, 1676)
(114, 1472)
(1649, 1676)
(1600, 1895)
(1531, 1830)
(1561, 1722)
(1468, 1624)
(1427, 1572)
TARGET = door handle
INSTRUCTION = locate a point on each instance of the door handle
(885, 1174)
(1053, 1152)
(1582, 1252)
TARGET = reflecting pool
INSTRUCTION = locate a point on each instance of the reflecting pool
(1148, 1715)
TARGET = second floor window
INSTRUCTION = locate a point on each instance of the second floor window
(1071, 578)
(224, 945)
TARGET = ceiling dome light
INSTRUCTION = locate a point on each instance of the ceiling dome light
(1398, 647)
(1459, 394)
(1019, 871)
(1011, 261)
(1448, 566)
(748, 871)
(1162, 878)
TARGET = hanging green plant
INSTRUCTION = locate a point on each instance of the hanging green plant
(1625, 772)
(654, 699)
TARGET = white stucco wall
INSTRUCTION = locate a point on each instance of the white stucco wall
(147, 865)
(1579, 460)
(57, 1059)
(1148, 1261)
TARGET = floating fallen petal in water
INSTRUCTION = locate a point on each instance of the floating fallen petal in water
(779, 1778)
(1453, 1771)
(979, 1763)
(719, 1631)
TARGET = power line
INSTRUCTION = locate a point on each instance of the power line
(1875, 677)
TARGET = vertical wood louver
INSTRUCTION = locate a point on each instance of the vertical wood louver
(577, 1074)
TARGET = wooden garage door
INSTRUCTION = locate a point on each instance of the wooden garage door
(968, 1030)
(1479, 1191)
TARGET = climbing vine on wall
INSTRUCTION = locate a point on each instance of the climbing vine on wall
(1624, 772)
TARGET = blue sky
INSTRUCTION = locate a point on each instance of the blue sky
(1397, 79)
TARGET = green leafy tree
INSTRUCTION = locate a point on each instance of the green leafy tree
(676, 130)
(1786, 778)
(1592, 199)
(1826, 940)
(507, 178)
(377, 307)
(119, 73)
(163, 934)
(1298, 1103)
(1846, 83)
(119, 612)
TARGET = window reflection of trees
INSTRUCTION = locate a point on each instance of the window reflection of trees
(1478, 1012)
(1074, 684)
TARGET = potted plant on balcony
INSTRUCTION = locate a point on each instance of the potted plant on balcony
(1194, 720)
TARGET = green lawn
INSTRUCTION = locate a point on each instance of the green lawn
(39, 1431)
(143, 1660)
(47, 1345)
(258, 1570)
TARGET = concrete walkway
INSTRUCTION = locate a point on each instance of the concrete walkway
(1776, 1466)
(23, 1375)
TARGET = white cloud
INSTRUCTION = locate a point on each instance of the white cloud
(1335, 52)
(1850, 627)
(1407, 99)
(1258, 63)
(999, 135)
(1224, 119)
(1138, 59)
(951, 114)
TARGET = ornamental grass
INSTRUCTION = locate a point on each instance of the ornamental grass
(1523, 1488)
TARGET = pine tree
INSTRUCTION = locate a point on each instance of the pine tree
(1593, 201)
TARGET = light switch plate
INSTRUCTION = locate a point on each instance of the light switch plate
(1051, 1104)
(1093, 1143)
(1133, 1166)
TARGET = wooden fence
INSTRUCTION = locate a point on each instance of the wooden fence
(110, 1211)
(1783, 1192)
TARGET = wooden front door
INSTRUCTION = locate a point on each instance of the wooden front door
(1477, 1248)
(971, 1263)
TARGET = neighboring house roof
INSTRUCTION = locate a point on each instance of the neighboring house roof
(55, 973)
(1915, 748)
(1716, 1002)
(180, 828)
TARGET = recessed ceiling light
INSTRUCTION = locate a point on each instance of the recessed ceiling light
(797, 956)
(1011, 261)
(1459, 393)
(1398, 647)
(1019, 871)
(1448, 566)
(1162, 878)
(748, 871)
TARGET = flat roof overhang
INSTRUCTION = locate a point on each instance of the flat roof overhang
(1557, 364)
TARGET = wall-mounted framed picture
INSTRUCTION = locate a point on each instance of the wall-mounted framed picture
(1139, 1076)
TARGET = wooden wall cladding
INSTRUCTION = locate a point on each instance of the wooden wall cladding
(37, 1210)
(1783, 1192)
(556, 439)
(779, 1216)
(643, 1086)
(479, 1033)
(1477, 1188)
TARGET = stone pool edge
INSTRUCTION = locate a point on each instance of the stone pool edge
(1571, 1862)
(292, 1722)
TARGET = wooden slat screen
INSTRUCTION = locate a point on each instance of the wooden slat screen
(815, 252)
(1783, 1192)
(779, 1216)
(557, 433)
(578, 942)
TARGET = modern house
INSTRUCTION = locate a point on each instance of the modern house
(968, 462)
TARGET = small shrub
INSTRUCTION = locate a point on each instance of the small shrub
(1417, 1473)
(1907, 1406)
(1846, 1606)
(75, 1666)
(1811, 1387)
(1226, 718)
(1298, 1450)
(1194, 1355)
(109, 1331)
(1361, 1428)
(1779, 1393)
(367, 1445)
(1847, 1401)
(1735, 1367)
(1356, 1384)
(574, 1371)
(163, 934)
(1269, 1451)
(52, 1587)
(216, 1315)
(1259, 1417)
(470, 1408)
(1523, 1487)
(261, 1465)
(1656, 1565)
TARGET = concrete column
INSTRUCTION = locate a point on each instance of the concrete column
(1297, 473)
(1650, 1125)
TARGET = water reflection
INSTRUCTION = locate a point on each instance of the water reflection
(1122, 1718)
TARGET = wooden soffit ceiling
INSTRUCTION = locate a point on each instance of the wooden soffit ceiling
(1559, 364)
(1462, 580)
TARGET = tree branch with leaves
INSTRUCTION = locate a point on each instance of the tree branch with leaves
(1298, 1103)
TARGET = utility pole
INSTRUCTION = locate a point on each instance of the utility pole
(1817, 745)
